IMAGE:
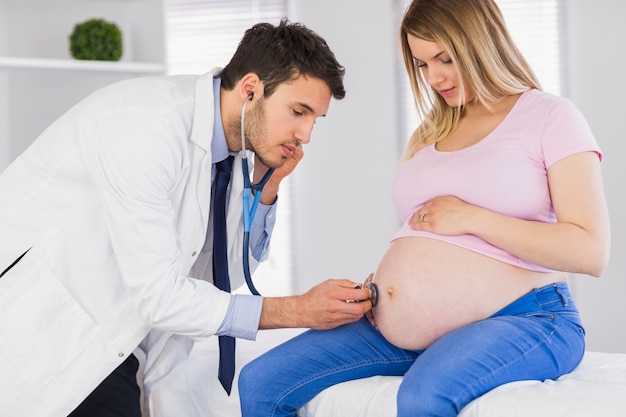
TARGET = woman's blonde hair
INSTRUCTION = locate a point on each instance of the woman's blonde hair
(475, 36)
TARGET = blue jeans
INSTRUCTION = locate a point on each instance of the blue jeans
(539, 336)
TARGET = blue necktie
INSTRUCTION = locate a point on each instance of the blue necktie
(223, 170)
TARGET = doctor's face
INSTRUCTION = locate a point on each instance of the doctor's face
(277, 125)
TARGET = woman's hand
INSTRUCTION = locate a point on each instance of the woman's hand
(579, 241)
(446, 215)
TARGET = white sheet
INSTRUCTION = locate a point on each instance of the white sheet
(596, 388)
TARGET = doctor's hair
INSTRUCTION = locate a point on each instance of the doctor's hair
(282, 53)
(489, 64)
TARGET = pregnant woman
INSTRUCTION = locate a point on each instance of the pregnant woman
(501, 193)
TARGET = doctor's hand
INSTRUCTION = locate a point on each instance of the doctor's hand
(323, 307)
(270, 191)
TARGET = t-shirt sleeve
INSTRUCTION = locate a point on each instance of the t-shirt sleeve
(566, 132)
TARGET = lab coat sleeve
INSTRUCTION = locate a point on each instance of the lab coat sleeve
(137, 159)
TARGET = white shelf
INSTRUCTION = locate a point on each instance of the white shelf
(40, 80)
(81, 65)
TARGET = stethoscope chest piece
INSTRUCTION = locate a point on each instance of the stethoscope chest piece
(373, 293)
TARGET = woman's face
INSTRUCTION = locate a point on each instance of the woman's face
(438, 70)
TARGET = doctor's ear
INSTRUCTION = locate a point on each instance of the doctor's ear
(250, 85)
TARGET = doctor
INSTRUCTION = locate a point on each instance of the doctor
(105, 228)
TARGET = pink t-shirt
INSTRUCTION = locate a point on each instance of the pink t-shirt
(505, 172)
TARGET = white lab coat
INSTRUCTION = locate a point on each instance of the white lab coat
(114, 200)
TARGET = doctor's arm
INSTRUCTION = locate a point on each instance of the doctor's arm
(261, 231)
(322, 307)
(270, 191)
(263, 223)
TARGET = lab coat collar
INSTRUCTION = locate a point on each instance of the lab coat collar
(219, 148)
(204, 111)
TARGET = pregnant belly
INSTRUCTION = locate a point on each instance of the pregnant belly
(427, 288)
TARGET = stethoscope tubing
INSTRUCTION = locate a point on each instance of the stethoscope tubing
(249, 211)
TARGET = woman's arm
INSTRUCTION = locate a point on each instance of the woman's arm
(578, 242)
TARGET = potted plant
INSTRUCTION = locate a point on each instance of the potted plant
(96, 39)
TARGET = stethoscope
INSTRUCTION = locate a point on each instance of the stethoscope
(248, 211)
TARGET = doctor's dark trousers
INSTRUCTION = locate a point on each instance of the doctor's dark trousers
(116, 396)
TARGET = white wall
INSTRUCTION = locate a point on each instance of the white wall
(4, 85)
(31, 99)
(343, 217)
(596, 65)
(343, 214)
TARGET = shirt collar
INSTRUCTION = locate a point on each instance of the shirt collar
(219, 148)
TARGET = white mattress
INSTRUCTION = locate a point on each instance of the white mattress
(596, 388)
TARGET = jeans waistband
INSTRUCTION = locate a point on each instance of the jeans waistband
(555, 297)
